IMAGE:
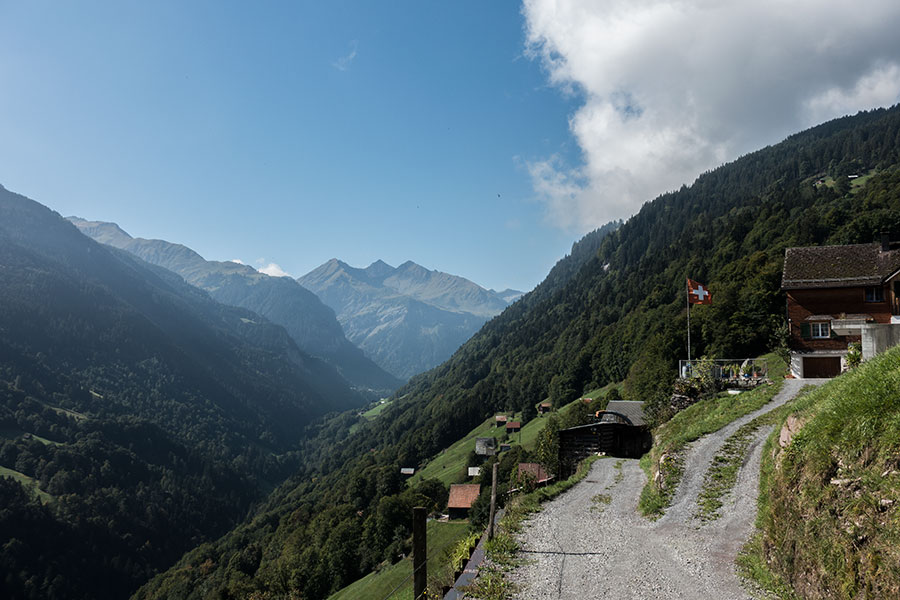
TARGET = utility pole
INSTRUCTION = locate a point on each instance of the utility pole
(493, 502)
(420, 572)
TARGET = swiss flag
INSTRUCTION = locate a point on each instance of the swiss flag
(698, 293)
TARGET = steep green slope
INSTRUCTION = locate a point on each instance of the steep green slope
(149, 415)
(615, 312)
(830, 500)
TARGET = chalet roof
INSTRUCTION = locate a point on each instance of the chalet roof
(854, 265)
(486, 446)
(536, 470)
(513, 424)
(500, 418)
(631, 409)
(462, 495)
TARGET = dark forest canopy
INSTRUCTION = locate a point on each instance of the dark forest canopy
(613, 310)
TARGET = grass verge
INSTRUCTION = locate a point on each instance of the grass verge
(829, 505)
(671, 439)
(722, 473)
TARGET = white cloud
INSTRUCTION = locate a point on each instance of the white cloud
(672, 88)
(272, 269)
(238, 261)
(343, 63)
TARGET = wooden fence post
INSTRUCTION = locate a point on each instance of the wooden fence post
(420, 571)
(493, 502)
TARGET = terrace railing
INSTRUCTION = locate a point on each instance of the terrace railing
(731, 370)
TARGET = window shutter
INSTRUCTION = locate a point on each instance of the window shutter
(804, 331)
(831, 332)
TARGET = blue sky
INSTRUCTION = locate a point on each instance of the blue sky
(291, 133)
(477, 138)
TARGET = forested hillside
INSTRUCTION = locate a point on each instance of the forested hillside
(613, 310)
(142, 417)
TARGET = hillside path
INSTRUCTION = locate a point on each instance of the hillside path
(591, 543)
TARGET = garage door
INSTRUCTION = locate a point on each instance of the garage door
(822, 367)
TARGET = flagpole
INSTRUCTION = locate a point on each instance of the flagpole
(687, 297)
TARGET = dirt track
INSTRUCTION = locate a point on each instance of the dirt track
(580, 546)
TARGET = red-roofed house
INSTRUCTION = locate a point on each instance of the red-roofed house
(513, 426)
(837, 295)
(462, 495)
(533, 470)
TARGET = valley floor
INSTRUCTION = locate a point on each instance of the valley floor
(592, 543)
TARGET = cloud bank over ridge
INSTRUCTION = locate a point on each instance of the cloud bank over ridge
(671, 88)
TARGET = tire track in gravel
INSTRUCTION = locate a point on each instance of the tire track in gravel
(571, 551)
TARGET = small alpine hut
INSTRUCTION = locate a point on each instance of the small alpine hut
(513, 426)
(486, 446)
(500, 420)
(544, 408)
(533, 470)
(620, 430)
(462, 495)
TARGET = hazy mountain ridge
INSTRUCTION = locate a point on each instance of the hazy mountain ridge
(282, 300)
(408, 318)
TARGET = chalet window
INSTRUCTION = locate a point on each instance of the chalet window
(819, 330)
(875, 294)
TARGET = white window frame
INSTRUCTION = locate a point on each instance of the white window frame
(820, 331)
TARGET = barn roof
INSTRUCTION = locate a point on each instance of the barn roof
(631, 409)
(852, 265)
(462, 495)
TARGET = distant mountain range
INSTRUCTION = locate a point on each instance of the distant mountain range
(282, 300)
(408, 319)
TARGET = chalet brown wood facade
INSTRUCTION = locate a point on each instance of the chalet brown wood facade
(838, 295)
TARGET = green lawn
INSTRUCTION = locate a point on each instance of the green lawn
(29, 483)
(441, 537)
(449, 465)
(371, 413)
(11, 433)
(376, 410)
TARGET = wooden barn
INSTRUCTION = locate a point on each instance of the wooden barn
(620, 430)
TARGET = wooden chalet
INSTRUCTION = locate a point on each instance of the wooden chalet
(837, 295)
(500, 420)
(544, 408)
(462, 495)
(513, 426)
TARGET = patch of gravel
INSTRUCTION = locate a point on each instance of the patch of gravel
(572, 551)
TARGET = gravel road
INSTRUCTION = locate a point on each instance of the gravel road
(591, 543)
